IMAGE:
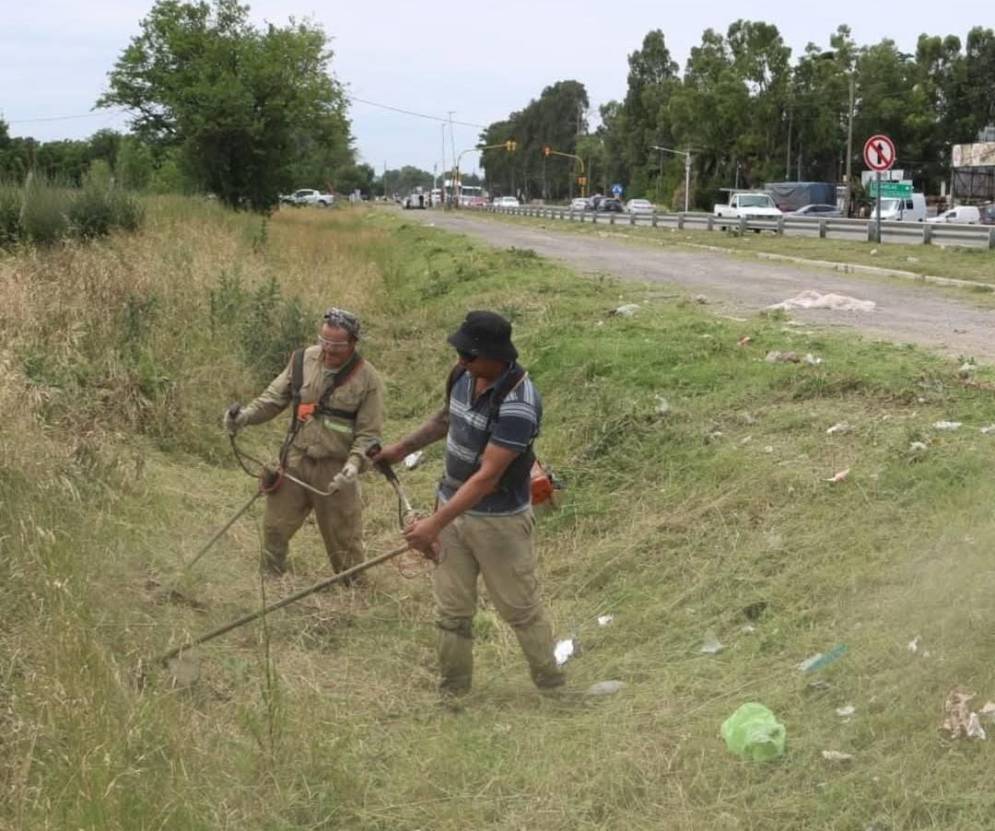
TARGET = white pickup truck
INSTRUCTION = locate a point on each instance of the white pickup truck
(308, 196)
(748, 205)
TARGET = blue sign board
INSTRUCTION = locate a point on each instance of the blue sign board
(616, 190)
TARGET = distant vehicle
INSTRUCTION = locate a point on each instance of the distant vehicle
(416, 200)
(901, 209)
(988, 215)
(963, 214)
(748, 205)
(578, 204)
(639, 206)
(594, 201)
(792, 196)
(308, 196)
(611, 205)
(817, 211)
(505, 202)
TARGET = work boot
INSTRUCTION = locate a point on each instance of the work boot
(536, 641)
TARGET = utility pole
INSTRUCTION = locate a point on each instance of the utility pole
(849, 151)
(687, 170)
(443, 178)
(787, 160)
(385, 181)
(452, 141)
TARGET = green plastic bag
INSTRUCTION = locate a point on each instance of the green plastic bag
(753, 733)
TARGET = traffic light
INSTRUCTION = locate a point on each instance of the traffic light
(546, 149)
(511, 145)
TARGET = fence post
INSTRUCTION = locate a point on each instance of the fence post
(711, 222)
(742, 226)
(991, 238)
(871, 232)
(611, 218)
(632, 219)
(654, 219)
(822, 227)
(680, 222)
(927, 234)
(594, 217)
(780, 226)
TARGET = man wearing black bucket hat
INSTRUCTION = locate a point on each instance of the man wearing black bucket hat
(483, 524)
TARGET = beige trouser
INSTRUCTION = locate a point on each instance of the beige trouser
(339, 516)
(501, 549)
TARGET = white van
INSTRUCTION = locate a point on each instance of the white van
(964, 214)
(902, 208)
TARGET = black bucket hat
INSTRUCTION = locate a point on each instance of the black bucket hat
(486, 335)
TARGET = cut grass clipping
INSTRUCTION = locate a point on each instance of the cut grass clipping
(698, 514)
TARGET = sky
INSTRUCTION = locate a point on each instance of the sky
(477, 61)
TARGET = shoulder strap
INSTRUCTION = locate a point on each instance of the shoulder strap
(343, 375)
(507, 386)
(455, 374)
(296, 379)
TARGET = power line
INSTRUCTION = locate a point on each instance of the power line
(356, 99)
(64, 117)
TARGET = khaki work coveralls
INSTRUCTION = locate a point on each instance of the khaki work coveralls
(321, 447)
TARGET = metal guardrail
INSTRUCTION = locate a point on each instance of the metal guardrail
(923, 233)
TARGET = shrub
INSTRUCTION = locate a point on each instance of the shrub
(43, 219)
(10, 214)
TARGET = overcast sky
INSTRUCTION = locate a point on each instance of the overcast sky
(480, 61)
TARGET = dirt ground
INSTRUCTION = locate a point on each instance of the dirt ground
(905, 313)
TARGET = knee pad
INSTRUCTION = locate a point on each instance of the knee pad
(462, 626)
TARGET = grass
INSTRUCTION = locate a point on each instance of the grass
(683, 525)
(975, 264)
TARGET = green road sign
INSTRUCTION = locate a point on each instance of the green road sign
(889, 189)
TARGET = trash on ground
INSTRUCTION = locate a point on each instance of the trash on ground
(777, 357)
(627, 310)
(604, 620)
(967, 368)
(605, 688)
(914, 644)
(816, 300)
(836, 756)
(412, 460)
(711, 646)
(960, 721)
(812, 360)
(839, 427)
(839, 477)
(662, 405)
(748, 629)
(823, 659)
(946, 425)
(746, 340)
(755, 610)
(918, 447)
(564, 651)
(747, 418)
(846, 712)
(769, 448)
(753, 732)
(987, 431)
(988, 711)
(700, 298)
(819, 686)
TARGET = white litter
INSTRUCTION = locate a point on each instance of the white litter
(974, 728)
(836, 302)
(811, 360)
(711, 646)
(662, 405)
(412, 460)
(846, 712)
(988, 711)
(604, 620)
(913, 646)
(946, 425)
(839, 477)
(564, 651)
(836, 756)
(748, 629)
(605, 688)
(840, 427)
(628, 310)
(918, 447)
(987, 431)
(967, 368)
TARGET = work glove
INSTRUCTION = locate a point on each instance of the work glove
(346, 476)
(235, 419)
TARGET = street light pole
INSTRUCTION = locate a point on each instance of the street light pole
(687, 169)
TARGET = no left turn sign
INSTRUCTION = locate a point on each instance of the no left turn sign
(879, 153)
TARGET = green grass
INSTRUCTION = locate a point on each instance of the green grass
(975, 264)
(676, 523)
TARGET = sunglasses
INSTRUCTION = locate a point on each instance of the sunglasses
(466, 357)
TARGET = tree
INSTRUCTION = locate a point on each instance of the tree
(241, 105)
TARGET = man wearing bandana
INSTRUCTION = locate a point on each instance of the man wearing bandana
(341, 414)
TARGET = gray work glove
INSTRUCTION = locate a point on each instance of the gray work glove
(235, 419)
(346, 476)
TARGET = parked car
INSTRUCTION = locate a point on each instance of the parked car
(817, 211)
(639, 206)
(594, 201)
(902, 208)
(963, 214)
(747, 205)
(987, 215)
(611, 205)
(578, 204)
(505, 202)
(307, 196)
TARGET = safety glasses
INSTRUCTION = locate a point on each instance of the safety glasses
(332, 345)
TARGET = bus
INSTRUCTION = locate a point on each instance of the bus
(472, 196)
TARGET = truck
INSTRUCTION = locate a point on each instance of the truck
(790, 196)
(748, 205)
(307, 196)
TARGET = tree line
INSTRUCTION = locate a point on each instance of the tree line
(217, 106)
(749, 113)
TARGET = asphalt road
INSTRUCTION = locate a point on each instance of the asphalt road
(905, 312)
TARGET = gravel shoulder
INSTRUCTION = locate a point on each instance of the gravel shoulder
(905, 313)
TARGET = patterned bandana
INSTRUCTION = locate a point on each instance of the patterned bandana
(342, 319)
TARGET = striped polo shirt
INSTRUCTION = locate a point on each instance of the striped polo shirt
(514, 427)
